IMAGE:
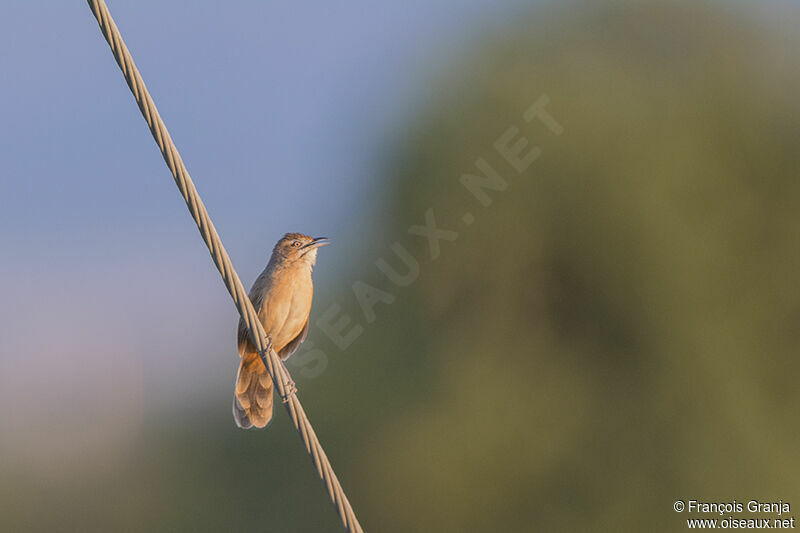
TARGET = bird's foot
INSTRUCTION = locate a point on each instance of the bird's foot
(291, 389)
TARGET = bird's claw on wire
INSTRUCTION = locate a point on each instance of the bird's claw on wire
(291, 389)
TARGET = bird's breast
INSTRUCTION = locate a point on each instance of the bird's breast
(287, 305)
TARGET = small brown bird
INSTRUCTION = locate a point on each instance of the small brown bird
(281, 296)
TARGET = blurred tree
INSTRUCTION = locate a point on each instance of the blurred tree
(619, 327)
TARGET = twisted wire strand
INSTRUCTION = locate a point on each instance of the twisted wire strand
(223, 263)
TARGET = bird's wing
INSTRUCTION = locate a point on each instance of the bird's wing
(256, 295)
(290, 348)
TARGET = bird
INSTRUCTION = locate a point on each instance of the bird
(281, 297)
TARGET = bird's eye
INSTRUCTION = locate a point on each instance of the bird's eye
(296, 244)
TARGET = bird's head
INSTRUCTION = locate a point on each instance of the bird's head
(296, 247)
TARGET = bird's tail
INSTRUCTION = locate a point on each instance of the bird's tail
(252, 399)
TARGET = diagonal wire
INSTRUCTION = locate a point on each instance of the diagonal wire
(223, 262)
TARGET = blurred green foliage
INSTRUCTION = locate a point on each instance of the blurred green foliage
(617, 330)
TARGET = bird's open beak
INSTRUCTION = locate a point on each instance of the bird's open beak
(319, 241)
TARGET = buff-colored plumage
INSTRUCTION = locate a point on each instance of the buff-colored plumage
(282, 297)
